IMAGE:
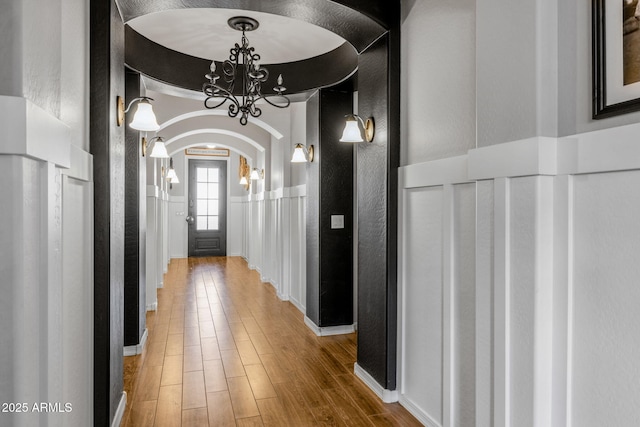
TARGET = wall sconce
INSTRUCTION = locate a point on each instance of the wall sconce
(257, 174)
(244, 172)
(171, 175)
(302, 154)
(159, 149)
(144, 118)
(352, 131)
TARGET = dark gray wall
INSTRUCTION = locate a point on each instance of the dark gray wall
(329, 192)
(107, 148)
(134, 227)
(336, 198)
(377, 165)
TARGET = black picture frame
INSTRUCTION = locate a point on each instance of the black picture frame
(601, 108)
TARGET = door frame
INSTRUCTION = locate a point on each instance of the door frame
(185, 246)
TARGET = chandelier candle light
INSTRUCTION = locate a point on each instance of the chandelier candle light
(242, 69)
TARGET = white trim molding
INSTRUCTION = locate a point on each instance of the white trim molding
(576, 154)
(420, 415)
(387, 396)
(134, 350)
(117, 419)
(328, 330)
(33, 132)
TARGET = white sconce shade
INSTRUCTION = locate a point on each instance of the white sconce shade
(255, 175)
(351, 131)
(298, 155)
(301, 154)
(159, 150)
(144, 119)
(244, 181)
(172, 177)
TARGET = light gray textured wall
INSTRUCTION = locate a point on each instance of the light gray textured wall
(438, 80)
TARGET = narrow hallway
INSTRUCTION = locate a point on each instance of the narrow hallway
(223, 350)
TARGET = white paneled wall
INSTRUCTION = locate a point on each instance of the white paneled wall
(518, 284)
(46, 268)
(269, 230)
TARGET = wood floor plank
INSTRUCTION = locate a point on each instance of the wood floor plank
(220, 409)
(248, 353)
(175, 344)
(143, 414)
(207, 330)
(191, 336)
(214, 377)
(172, 370)
(169, 408)
(195, 417)
(260, 382)
(192, 359)
(210, 349)
(273, 413)
(149, 384)
(232, 363)
(250, 422)
(261, 343)
(327, 416)
(244, 404)
(294, 405)
(193, 390)
(346, 408)
(364, 398)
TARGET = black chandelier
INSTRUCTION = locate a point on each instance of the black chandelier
(241, 68)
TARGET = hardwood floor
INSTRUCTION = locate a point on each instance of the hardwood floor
(223, 350)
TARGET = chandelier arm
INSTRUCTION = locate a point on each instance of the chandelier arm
(228, 96)
(276, 105)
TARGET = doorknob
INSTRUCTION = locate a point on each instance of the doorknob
(190, 219)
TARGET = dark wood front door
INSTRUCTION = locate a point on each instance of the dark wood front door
(207, 208)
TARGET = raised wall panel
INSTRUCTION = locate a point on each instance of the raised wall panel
(464, 306)
(77, 272)
(484, 303)
(522, 296)
(422, 301)
(604, 374)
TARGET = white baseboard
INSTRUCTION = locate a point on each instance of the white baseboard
(387, 396)
(280, 295)
(133, 350)
(298, 305)
(328, 330)
(420, 415)
(117, 419)
(153, 307)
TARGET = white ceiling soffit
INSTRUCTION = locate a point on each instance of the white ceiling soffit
(204, 33)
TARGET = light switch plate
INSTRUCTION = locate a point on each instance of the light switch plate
(337, 221)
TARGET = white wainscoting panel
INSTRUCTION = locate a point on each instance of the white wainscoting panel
(421, 304)
(178, 228)
(463, 269)
(605, 368)
(484, 303)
